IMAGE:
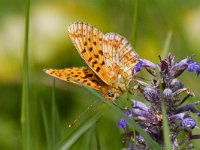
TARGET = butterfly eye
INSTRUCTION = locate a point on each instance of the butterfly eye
(110, 93)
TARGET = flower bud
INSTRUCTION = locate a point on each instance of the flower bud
(167, 94)
(122, 123)
(188, 123)
(176, 85)
(143, 63)
(151, 94)
(128, 113)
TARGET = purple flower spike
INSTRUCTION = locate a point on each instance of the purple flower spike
(143, 63)
(198, 70)
(151, 94)
(140, 105)
(138, 66)
(139, 138)
(176, 85)
(122, 124)
(188, 123)
(168, 94)
(162, 85)
(192, 66)
(131, 147)
(127, 112)
(179, 67)
(175, 117)
(183, 63)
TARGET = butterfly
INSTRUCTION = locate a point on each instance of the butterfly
(110, 58)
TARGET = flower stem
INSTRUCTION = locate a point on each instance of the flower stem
(166, 132)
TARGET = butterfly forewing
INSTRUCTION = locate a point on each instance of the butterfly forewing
(83, 76)
(88, 42)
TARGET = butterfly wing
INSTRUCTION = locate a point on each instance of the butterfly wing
(88, 41)
(119, 58)
(78, 76)
(86, 77)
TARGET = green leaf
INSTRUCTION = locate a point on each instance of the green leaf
(25, 108)
(53, 117)
(46, 125)
(97, 139)
(166, 45)
(135, 17)
(87, 139)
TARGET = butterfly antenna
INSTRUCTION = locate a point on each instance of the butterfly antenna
(83, 113)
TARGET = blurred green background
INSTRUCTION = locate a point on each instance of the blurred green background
(50, 47)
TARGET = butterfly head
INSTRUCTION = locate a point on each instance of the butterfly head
(111, 93)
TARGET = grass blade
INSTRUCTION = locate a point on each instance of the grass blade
(166, 45)
(25, 123)
(88, 139)
(135, 16)
(46, 127)
(97, 139)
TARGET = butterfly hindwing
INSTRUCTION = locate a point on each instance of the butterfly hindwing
(119, 57)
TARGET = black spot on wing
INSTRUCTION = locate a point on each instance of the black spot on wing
(100, 52)
(84, 50)
(103, 63)
(93, 63)
(97, 69)
(89, 60)
(96, 56)
(97, 82)
(89, 75)
(88, 84)
(90, 49)
(84, 81)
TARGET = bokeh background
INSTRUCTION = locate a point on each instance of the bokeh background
(176, 22)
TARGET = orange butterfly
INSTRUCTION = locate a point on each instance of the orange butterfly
(109, 56)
